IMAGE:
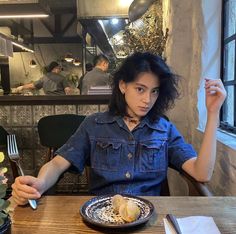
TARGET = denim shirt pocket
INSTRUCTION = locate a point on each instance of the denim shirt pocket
(106, 155)
(153, 155)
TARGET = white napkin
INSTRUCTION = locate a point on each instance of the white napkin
(193, 225)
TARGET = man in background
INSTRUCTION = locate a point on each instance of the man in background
(98, 76)
(88, 68)
(52, 82)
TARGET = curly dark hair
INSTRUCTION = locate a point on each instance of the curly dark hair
(131, 67)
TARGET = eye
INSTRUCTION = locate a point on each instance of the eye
(155, 91)
(139, 89)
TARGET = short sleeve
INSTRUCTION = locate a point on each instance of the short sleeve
(76, 150)
(178, 150)
(65, 83)
(39, 83)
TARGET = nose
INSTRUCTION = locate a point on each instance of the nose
(147, 98)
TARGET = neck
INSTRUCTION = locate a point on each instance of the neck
(100, 67)
(132, 120)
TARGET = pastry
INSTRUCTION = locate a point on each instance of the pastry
(127, 209)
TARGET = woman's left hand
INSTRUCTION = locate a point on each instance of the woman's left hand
(215, 95)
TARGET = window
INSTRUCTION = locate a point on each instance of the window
(228, 114)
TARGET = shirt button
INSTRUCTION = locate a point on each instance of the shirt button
(130, 155)
(127, 175)
(130, 138)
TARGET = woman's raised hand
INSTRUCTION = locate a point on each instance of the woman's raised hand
(215, 95)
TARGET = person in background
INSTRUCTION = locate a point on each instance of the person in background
(130, 146)
(98, 76)
(88, 67)
(52, 82)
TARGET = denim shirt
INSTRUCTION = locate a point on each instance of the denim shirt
(123, 161)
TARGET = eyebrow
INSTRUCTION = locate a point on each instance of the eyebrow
(142, 85)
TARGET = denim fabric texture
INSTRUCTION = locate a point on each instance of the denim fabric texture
(123, 161)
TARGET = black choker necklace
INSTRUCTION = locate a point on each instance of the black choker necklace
(131, 120)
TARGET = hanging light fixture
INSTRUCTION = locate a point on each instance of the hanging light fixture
(69, 58)
(76, 62)
(32, 64)
(138, 8)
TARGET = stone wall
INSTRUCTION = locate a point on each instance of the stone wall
(193, 51)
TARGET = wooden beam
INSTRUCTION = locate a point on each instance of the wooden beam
(16, 28)
(47, 26)
(57, 26)
(50, 40)
(71, 21)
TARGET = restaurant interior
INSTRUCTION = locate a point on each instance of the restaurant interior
(192, 36)
(187, 33)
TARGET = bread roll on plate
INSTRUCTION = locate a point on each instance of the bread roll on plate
(127, 209)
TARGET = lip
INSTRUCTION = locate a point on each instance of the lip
(144, 109)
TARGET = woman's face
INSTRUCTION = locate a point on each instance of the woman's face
(141, 94)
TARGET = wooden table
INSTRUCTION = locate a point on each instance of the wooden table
(60, 214)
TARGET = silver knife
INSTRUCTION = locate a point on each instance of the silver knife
(172, 219)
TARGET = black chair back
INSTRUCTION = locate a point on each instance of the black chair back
(3, 136)
(55, 130)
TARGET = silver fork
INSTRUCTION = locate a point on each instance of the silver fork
(15, 157)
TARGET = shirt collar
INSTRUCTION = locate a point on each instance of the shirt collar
(156, 124)
(159, 124)
(98, 69)
(106, 117)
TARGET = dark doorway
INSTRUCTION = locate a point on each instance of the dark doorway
(5, 76)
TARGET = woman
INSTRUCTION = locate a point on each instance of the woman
(130, 147)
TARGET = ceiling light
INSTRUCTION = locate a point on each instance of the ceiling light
(69, 58)
(76, 62)
(23, 16)
(32, 64)
(125, 3)
(138, 8)
(114, 21)
(17, 44)
(27, 10)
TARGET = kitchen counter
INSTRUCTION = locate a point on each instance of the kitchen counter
(54, 100)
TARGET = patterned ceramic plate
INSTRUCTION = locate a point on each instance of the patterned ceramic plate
(99, 211)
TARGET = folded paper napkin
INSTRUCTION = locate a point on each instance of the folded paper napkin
(193, 225)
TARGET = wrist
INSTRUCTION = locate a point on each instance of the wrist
(213, 117)
(42, 186)
(213, 113)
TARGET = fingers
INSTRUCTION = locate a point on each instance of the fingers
(215, 87)
(22, 189)
(18, 199)
(216, 83)
(27, 180)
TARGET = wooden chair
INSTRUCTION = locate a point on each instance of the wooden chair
(195, 188)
